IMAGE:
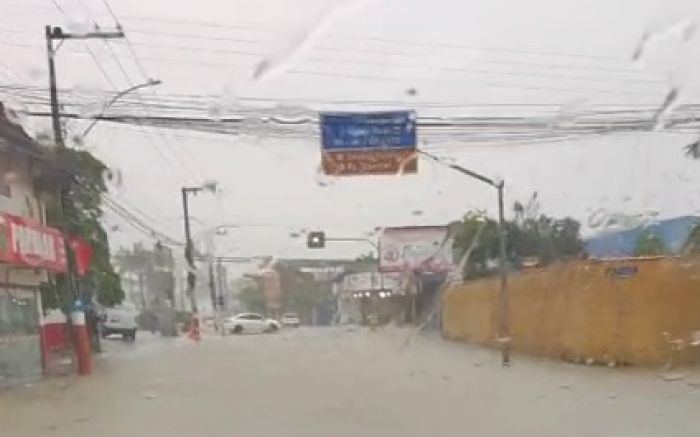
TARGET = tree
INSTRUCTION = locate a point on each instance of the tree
(542, 237)
(84, 182)
(252, 298)
(300, 291)
(648, 244)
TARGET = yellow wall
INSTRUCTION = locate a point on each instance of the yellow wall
(583, 310)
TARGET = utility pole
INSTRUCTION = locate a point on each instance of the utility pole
(221, 279)
(189, 248)
(51, 34)
(212, 287)
(189, 256)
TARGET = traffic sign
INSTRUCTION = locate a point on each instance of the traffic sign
(368, 143)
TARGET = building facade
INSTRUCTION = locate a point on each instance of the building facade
(29, 251)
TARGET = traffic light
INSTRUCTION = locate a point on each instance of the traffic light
(316, 240)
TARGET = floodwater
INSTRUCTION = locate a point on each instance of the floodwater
(345, 382)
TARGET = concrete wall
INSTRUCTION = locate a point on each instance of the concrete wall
(606, 311)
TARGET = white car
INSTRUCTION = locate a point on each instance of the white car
(250, 323)
(291, 319)
(120, 320)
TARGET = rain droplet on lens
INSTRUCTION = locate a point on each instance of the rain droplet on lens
(692, 150)
(665, 108)
(214, 112)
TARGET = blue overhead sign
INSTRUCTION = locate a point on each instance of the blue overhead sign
(346, 131)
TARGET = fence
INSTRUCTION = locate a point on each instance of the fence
(639, 311)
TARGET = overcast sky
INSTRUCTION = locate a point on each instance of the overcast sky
(451, 52)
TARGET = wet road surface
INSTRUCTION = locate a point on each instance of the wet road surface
(344, 382)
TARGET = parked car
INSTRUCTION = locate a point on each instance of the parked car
(291, 319)
(250, 323)
(121, 320)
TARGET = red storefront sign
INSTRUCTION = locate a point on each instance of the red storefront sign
(24, 242)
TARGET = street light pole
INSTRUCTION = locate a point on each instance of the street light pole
(504, 298)
(503, 295)
(151, 82)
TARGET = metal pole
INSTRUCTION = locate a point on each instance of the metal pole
(142, 292)
(191, 278)
(504, 304)
(212, 287)
(53, 92)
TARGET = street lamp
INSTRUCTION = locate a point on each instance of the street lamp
(189, 255)
(150, 83)
(504, 304)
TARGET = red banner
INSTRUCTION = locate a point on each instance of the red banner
(24, 242)
(83, 254)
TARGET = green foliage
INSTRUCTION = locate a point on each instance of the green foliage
(81, 215)
(252, 298)
(300, 292)
(366, 257)
(543, 237)
(648, 244)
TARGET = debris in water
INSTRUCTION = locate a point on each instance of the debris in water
(447, 377)
(411, 92)
(565, 386)
(672, 376)
(150, 395)
(613, 396)
(695, 383)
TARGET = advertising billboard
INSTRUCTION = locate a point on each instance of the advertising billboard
(416, 248)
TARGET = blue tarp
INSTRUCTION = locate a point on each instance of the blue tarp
(673, 232)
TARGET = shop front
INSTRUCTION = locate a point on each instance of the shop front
(28, 252)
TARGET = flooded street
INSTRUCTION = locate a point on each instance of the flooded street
(338, 381)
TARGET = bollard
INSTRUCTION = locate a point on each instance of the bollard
(82, 343)
(194, 333)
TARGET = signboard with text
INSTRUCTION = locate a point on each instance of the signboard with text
(368, 143)
(416, 248)
(26, 243)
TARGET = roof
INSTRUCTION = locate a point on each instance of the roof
(673, 232)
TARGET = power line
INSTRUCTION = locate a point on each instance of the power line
(137, 223)
(379, 78)
(107, 77)
(375, 77)
(145, 75)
